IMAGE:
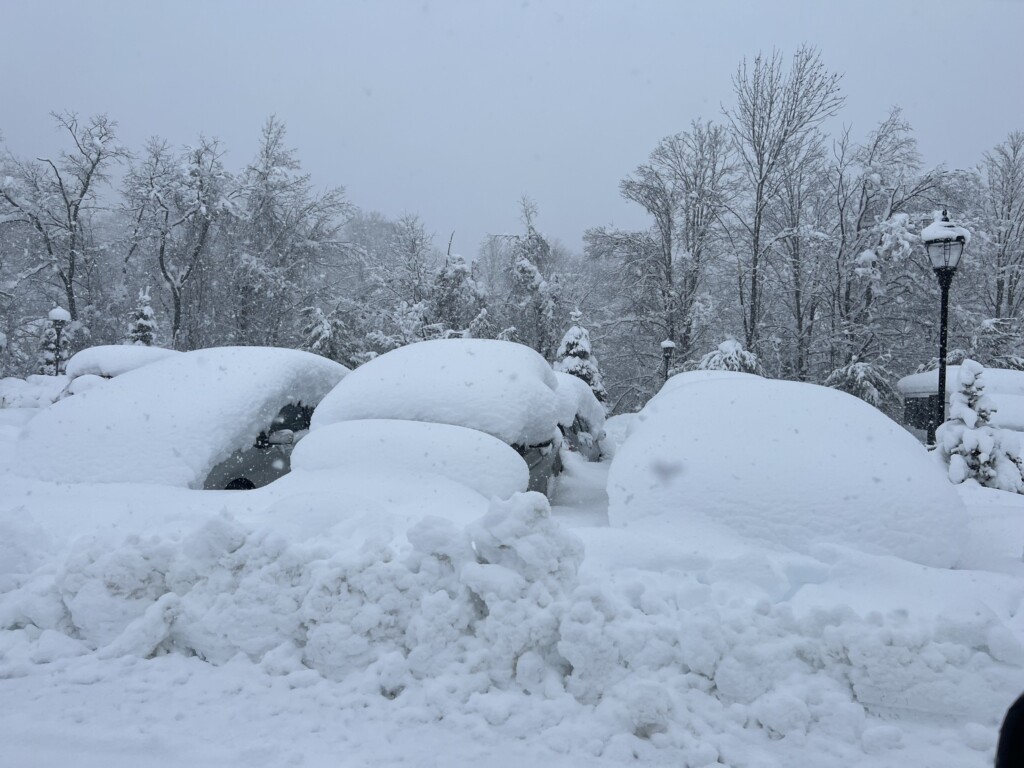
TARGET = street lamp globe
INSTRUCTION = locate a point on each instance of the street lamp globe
(945, 242)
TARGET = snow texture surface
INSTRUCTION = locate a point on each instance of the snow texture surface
(468, 456)
(787, 464)
(171, 421)
(114, 359)
(504, 389)
(376, 614)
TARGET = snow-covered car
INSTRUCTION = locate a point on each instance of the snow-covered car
(586, 431)
(211, 418)
(504, 389)
(793, 465)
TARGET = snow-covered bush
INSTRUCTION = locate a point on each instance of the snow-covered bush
(575, 356)
(868, 381)
(731, 356)
(970, 445)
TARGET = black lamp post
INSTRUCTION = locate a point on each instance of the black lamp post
(945, 243)
(667, 348)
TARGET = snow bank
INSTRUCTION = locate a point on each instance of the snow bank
(498, 387)
(114, 359)
(482, 601)
(34, 391)
(785, 464)
(467, 456)
(171, 421)
(497, 626)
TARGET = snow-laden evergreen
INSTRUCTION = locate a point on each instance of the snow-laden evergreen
(970, 445)
(871, 382)
(142, 327)
(575, 356)
(731, 356)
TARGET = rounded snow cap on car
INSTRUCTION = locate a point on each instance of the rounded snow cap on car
(467, 456)
(787, 464)
(504, 389)
(173, 420)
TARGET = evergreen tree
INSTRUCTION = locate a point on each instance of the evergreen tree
(972, 447)
(868, 381)
(731, 356)
(142, 328)
(575, 356)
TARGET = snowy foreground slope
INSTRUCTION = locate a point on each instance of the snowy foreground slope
(398, 618)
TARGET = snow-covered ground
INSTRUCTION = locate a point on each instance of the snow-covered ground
(393, 616)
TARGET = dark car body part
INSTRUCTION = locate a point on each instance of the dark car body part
(543, 462)
(580, 438)
(268, 458)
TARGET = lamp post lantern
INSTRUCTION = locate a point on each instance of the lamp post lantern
(945, 244)
(667, 348)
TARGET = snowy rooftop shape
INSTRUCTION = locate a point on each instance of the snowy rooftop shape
(787, 465)
(576, 397)
(996, 380)
(59, 315)
(498, 387)
(171, 421)
(114, 359)
(468, 456)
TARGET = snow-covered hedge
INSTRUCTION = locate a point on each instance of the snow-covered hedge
(789, 464)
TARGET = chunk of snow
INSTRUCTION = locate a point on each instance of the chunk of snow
(59, 315)
(504, 389)
(171, 421)
(785, 464)
(468, 456)
(576, 398)
(114, 359)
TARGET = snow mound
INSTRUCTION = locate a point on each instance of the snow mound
(785, 464)
(468, 456)
(576, 398)
(504, 389)
(114, 359)
(171, 421)
(36, 391)
(481, 602)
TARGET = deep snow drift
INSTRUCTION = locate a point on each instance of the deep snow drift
(394, 616)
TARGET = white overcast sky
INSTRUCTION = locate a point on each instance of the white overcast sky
(454, 109)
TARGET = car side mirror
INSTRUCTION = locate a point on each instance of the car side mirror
(281, 437)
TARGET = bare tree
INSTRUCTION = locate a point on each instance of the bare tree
(772, 126)
(1003, 169)
(173, 201)
(57, 198)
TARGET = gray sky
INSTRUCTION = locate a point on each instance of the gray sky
(454, 109)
